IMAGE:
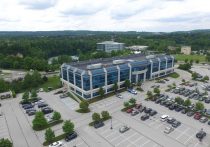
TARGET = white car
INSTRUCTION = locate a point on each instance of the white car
(119, 96)
(164, 117)
(124, 129)
(168, 130)
(56, 144)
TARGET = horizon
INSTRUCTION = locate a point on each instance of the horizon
(104, 15)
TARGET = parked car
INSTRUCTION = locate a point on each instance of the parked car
(207, 100)
(134, 112)
(168, 129)
(170, 120)
(197, 116)
(119, 96)
(124, 129)
(209, 123)
(164, 117)
(129, 110)
(201, 134)
(203, 119)
(47, 110)
(138, 106)
(184, 111)
(132, 91)
(32, 112)
(41, 105)
(152, 113)
(56, 144)
(31, 109)
(190, 113)
(29, 106)
(98, 124)
(63, 95)
(145, 117)
(71, 136)
(179, 108)
(142, 109)
(147, 110)
(176, 123)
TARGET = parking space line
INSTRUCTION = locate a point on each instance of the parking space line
(134, 142)
(125, 139)
(109, 134)
(159, 125)
(145, 143)
(189, 139)
(182, 133)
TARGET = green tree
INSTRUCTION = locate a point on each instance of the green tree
(199, 106)
(101, 92)
(4, 86)
(105, 114)
(186, 60)
(84, 105)
(126, 104)
(191, 61)
(39, 121)
(13, 94)
(149, 94)
(33, 93)
(49, 135)
(68, 127)
(127, 83)
(197, 61)
(25, 96)
(206, 78)
(5, 143)
(187, 102)
(132, 101)
(115, 87)
(96, 117)
(179, 100)
(194, 75)
(183, 80)
(56, 116)
(156, 91)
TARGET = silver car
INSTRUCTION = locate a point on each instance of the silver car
(168, 130)
(124, 129)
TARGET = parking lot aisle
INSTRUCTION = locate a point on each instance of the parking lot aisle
(149, 132)
(78, 142)
(15, 129)
(4, 132)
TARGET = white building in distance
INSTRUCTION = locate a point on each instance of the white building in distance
(137, 49)
(109, 46)
(186, 50)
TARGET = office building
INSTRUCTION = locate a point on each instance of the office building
(186, 50)
(109, 46)
(86, 77)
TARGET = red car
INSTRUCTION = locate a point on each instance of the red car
(197, 116)
(138, 106)
(129, 110)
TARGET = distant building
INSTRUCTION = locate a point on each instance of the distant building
(172, 48)
(137, 49)
(109, 46)
(6, 95)
(75, 58)
(186, 50)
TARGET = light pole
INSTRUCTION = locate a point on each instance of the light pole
(111, 124)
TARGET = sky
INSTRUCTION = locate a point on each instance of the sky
(104, 15)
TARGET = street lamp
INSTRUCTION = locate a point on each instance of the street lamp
(111, 124)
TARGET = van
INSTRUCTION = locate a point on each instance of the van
(164, 117)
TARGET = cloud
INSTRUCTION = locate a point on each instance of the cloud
(38, 4)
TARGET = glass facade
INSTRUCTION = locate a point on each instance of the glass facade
(71, 76)
(64, 70)
(169, 62)
(124, 72)
(155, 65)
(112, 75)
(98, 78)
(86, 82)
(162, 64)
(78, 80)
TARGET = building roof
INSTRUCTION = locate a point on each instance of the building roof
(109, 42)
(107, 62)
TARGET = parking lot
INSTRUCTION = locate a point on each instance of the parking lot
(184, 134)
(130, 138)
(4, 132)
(78, 142)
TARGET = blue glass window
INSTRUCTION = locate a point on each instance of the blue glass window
(87, 96)
(64, 71)
(124, 72)
(163, 64)
(169, 63)
(78, 80)
(86, 82)
(98, 78)
(78, 92)
(112, 75)
(155, 65)
(71, 76)
(95, 94)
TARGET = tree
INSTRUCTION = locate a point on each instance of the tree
(187, 102)
(157, 91)
(13, 94)
(183, 80)
(49, 135)
(126, 104)
(39, 121)
(45, 79)
(115, 87)
(96, 117)
(191, 61)
(25, 96)
(4, 86)
(197, 61)
(33, 94)
(101, 92)
(68, 127)
(186, 60)
(199, 106)
(5, 143)
(127, 83)
(174, 84)
(105, 114)
(84, 105)
(56, 116)
(132, 101)
(194, 75)
(149, 94)
(179, 100)
(206, 78)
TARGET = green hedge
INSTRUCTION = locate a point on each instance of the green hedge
(83, 111)
(57, 138)
(49, 125)
(103, 119)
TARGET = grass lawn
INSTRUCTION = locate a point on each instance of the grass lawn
(53, 82)
(174, 75)
(182, 57)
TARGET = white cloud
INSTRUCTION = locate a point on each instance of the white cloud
(115, 15)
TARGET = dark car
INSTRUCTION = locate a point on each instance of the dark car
(209, 123)
(190, 113)
(145, 117)
(71, 136)
(201, 134)
(179, 108)
(163, 102)
(138, 106)
(168, 104)
(172, 107)
(41, 105)
(142, 109)
(32, 112)
(47, 110)
(207, 101)
(152, 113)
(176, 123)
(184, 111)
(29, 106)
(147, 110)
(170, 120)
(158, 101)
(31, 109)
(98, 124)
